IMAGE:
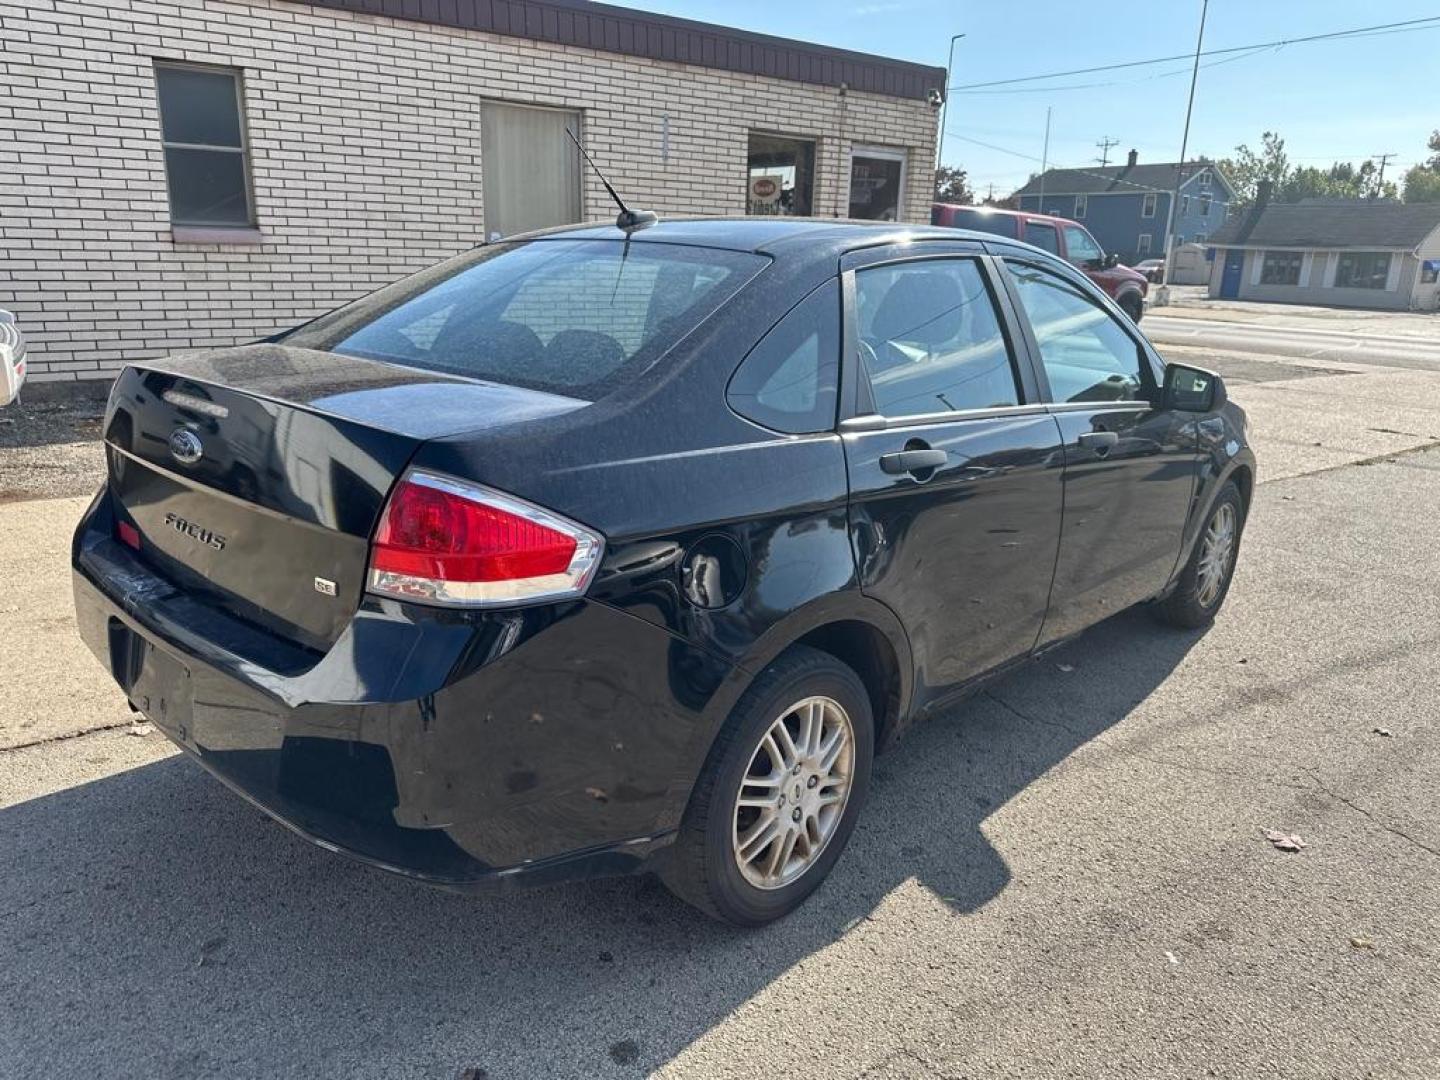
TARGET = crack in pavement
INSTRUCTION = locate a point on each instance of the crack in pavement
(67, 736)
(1317, 785)
(1014, 711)
(1328, 790)
(1377, 459)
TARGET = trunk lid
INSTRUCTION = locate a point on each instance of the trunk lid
(255, 476)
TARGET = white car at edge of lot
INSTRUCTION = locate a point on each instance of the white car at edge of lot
(12, 358)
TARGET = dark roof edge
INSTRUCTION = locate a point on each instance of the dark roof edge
(643, 34)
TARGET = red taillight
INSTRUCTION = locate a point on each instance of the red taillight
(128, 534)
(444, 541)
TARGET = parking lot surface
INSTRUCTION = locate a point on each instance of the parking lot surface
(1066, 876)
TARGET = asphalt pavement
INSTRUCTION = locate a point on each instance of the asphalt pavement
(1067, 876)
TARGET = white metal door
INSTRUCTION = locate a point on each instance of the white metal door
(529, 167)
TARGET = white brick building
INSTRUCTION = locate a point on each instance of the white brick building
(309, 152)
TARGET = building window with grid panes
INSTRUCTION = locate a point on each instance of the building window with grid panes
(1147, 205)
(202, 130)
(1363, 270)
(1082, 203)
(1281, 268)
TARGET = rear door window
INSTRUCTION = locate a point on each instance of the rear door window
(789, 381)
(930, 338)
(571, 317)
(1042, 236)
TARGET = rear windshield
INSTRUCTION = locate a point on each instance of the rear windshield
(999, 224)
(571, 317)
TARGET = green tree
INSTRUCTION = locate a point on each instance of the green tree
(1247, 168)
(952, 185)
(1342, 180)
(1422, 183)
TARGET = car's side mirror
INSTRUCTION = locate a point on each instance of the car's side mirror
(1191, 389)
(1111, 260)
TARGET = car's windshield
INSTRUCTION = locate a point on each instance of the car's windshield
(572, 317)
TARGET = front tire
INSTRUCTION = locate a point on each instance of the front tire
(779, 794)
(1133, 304)
(1205, 581)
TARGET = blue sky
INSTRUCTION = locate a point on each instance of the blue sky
(1345, 99)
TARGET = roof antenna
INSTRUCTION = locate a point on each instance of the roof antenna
(627, 221)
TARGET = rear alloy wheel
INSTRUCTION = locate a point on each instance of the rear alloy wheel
(1206, 578)
(780, 793)
(794, 793)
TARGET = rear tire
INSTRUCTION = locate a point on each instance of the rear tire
(1205, 581)
(721, 861)
(1133, 305)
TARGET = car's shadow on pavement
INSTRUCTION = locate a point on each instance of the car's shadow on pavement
(153, 924)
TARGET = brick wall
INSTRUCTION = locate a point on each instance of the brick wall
(365, 152)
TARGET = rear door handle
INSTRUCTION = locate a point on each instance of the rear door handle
(912, 461)
(1100, 441)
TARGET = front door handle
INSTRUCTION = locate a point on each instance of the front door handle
(1102, 442)
(913, 461)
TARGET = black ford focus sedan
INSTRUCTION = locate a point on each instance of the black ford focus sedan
(598, 551)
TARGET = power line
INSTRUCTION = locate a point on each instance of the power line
(1357, 31)
(1079, 170)
(1245, 55)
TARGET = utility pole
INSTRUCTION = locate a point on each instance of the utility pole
(945, 105)
(1045, 159)
(1163, 293)
(1104, 145)
(1380, 180)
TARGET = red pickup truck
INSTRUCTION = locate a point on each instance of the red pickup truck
(1068, 239)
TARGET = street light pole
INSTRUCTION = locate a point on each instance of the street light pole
(1163, 293)
(945, 105)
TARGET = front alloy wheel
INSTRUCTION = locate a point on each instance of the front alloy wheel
(1205, 580)
(1217, 549)
(794, 792)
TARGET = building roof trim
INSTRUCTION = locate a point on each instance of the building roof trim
(1153, 178)
(649, 36)
(1355, 225)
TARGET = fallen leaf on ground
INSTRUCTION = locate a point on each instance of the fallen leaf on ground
(1284, 841)
(1362, 943)
(141, 730)
(1383, 732)
(1171, 957)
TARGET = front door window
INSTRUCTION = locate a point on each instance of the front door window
(1087, 354)
(1081, 247)
(877, 184)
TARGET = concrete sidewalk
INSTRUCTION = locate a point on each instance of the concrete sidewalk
(1191, 302)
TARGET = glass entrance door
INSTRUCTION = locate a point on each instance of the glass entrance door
(877, 183)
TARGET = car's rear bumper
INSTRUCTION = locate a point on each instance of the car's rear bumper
(537, 744)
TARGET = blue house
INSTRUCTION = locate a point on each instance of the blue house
(1125, 206)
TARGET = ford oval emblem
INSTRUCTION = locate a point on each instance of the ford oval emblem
(185, 446)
